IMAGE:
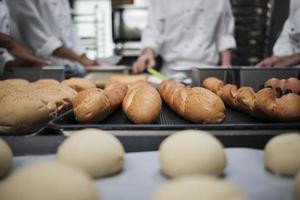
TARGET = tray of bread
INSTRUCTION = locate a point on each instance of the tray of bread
(92, 165)
(175, 106)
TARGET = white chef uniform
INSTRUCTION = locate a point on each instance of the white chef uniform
(289, 40)
(189, 33)
(50, 27)
(5, 56)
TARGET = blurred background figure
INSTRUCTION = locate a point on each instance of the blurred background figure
(187, 34)
(286, 51)
(13, 53)
(47, 28)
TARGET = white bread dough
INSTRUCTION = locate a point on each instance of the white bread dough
(5, 158)
(191, 152)
(48, 181)
(96, 152)
(297, 187)
(198, 188)
(282, 154)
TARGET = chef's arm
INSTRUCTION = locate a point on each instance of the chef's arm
(226, 58)
(20, 51)
(66, 53)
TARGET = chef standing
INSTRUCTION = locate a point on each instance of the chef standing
(191, 33)
(286, 51)
(46, 27)
(12, 53)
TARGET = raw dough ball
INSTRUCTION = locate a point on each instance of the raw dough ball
(5, 158)
(191, 152)
(198, 188)
(48, 181)
(297, 187)
(96, 152)
(282, 154)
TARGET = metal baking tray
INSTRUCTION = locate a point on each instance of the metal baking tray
(36, 73)
(199, 74)
(169, 120)
(256, 77)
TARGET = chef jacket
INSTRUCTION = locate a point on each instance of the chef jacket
(5, 56)
(50, 25)
(189, 33)
(289, 40)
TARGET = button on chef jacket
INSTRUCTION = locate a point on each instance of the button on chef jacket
(189, 33)
(50, 25)
(289, 40)
(5, 56)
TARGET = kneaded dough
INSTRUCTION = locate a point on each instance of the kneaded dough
(48, 181)
(96, 152)
(198, 188)
(297, 187)
(282, 154)
(191, 152)
(5, 158)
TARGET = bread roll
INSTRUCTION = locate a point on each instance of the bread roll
(285, 108)
(142, 103)
(297, 187)
(284, 86)
(79, 84)
(282, 154)
(191, 152)
(213, 84)
(6, 157)
(48, 181)
(128, 79)
(197, 104)
(96, 152)
(198, 188)
(93, 105)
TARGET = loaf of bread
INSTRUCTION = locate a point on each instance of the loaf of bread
(79, 84)
(197, 104)
(284, 108)
(27, 107)
(128, 79)
(266, 104)
(142, 103)
(284, 86)
(94, 104)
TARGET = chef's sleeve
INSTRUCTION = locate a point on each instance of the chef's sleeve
(283, 45)
(225, 36)
(4, 58)
(153, 33)
(33, 31)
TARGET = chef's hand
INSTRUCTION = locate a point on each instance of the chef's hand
(288, 61)
(87, 62)
(146, 60)
(269, 62)
(24, 54)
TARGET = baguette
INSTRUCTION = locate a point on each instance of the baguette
(197, 104)
(79, 84)
(267, 104)
(284, 86)
(142, 103)
(93, 105)
(284, 109)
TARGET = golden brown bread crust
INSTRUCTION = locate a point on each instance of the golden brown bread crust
(142, 103)
(266, 104)
(31, 105)
(284, 85)
(198, 105)
(79, 84)
(285, 108)
(213, 84)
(93, 105)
